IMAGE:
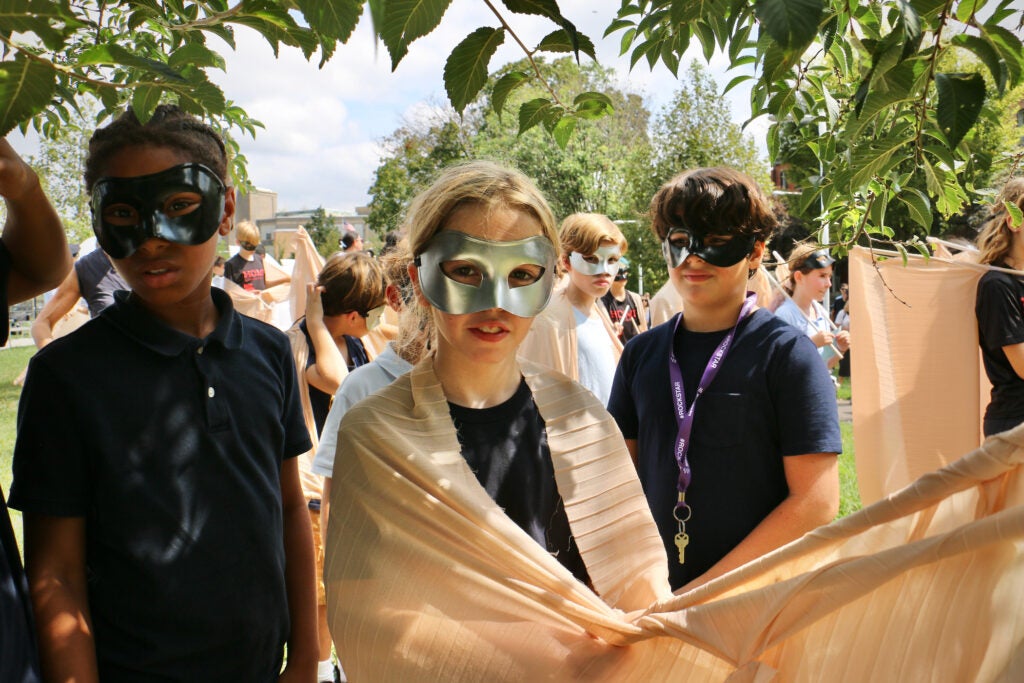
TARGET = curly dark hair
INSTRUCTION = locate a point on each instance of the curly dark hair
(170, 127)
(718, 201)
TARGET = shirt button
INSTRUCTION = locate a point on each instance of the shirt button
(210, 392)
(200, 350)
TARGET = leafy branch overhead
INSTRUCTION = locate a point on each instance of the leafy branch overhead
(885, 97)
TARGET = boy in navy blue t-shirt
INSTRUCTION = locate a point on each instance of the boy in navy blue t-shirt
(728, 412)
(166, 533)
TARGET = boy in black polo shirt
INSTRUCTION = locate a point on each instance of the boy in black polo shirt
(166, 533)
(728, 412)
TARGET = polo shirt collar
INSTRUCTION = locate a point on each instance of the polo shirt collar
(133, 319)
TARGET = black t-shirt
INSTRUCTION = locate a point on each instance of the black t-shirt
(772, 398)
(506, 446)
(999, 307)
(249, 275)
(624, 312)
(18, 655)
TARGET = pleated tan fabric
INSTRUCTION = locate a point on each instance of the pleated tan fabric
(427, 580)
(919, 387)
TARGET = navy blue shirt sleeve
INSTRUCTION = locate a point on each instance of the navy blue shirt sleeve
(805, 401)
(50, 470)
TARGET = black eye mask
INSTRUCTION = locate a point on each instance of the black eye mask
(147, 195)
(682, 242)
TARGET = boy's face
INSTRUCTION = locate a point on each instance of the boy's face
(166, 275)
(707, 287)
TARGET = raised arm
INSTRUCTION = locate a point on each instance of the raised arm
(299, 577)
(33, 233)
(56, 308)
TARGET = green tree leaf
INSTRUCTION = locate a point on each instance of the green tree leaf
(791, 23)
(563, 130)
(504, 87)
(465, 70)
(1016, 216)
(332, 18)
(195, 54)
(960, 100)
(919, 205)
(533, 113)
(26, 87)
(406, 20)
(561, 41)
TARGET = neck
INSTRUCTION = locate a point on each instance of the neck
(1015, 258)
(803, 299)
(578, 298)
(197, 319)
(476, 385)
(619, 289)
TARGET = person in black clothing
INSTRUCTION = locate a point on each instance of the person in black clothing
(999, 307)
(34, 258)
(625, 308)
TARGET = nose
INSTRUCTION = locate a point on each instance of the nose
(152, 247)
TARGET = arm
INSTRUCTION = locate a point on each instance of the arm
(55, 565)
(327, 373)
(325, 510)
(303, 650)
(33, 233)
(813, 500)
(56, 308)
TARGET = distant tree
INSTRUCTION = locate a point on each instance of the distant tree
(323, 231)
(60, 166)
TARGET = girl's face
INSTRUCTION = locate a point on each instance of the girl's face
(816, 282)
(165, 274)
(492, 335)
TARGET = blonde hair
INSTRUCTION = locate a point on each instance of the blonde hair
(584, 233)
(485, 184)
(995, 238)
(246, 231)
(415, 327)
(795, 264)
(351, 282)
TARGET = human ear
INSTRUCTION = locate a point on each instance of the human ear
(414, 275)
(229, 212)
(394, 297)
(754, 260)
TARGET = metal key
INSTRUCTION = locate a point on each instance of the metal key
(682, 540)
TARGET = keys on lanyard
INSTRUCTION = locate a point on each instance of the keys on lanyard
(682, 514)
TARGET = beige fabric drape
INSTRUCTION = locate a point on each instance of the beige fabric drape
(918, 382)
(428, 580)
(552, 337)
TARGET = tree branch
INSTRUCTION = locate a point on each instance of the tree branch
(526, 50)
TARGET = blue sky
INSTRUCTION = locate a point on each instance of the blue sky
(323, 126)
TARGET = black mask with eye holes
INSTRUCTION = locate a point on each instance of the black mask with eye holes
(145, 197)
(682, 242)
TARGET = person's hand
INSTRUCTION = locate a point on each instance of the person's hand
(297, 674)
(267, 297)
(843, 341)
(822, 338)
(16, 176)
(314, 304)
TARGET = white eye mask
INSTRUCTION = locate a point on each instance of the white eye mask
(495, 261)
(608, 258)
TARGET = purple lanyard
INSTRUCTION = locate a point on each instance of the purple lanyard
(684, 416)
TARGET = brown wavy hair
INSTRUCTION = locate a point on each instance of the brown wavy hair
(716, 201)
(995, 238)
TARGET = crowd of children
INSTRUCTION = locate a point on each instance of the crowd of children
(176, 524)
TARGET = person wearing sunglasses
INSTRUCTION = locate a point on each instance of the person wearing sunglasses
(810, 278)
(730, 417)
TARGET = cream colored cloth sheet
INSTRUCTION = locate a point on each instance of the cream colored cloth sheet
(919, 388)
(552, 337)
(428, 580)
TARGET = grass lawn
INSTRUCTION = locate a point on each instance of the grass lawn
(12, 362)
